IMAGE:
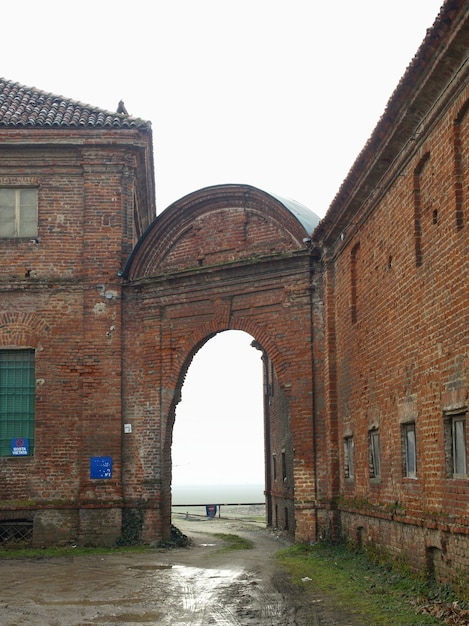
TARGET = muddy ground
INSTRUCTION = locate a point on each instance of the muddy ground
(199, 585)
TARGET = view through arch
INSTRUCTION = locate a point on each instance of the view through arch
(230, 257)
(218, 436)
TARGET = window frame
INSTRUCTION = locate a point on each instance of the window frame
(25, 214)
(456, 455)
(374, 455)
(406, 429)
(17, 398)
(349, 460)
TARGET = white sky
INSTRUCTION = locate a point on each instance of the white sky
(281, 95)
(219, 429)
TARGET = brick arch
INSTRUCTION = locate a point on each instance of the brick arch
(21, 330)
(199, 338)
(265, 224)
(208, 330)
(224, 258)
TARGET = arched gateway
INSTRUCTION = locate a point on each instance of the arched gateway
(224, 257)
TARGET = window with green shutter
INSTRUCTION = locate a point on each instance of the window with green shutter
(17, 395)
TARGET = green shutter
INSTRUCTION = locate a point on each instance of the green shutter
(17, 398)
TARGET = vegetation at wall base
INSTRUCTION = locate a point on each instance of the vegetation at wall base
(132, 527)
(375, 591)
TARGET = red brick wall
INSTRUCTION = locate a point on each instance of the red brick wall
(61, 296)
(397, 347)
(279, 486)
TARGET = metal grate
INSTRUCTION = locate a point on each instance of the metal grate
(14, 532)
(17, 398)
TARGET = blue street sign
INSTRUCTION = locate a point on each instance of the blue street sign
(19, 446)
(101, 467)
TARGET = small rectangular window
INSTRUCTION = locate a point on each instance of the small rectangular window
(455, 446)
(374, 454)
(17, 400)
(409, 450)
(348, 458)
(274, 466)
(284, 465)
(18, 212)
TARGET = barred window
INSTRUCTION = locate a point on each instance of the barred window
(348, 458)
(18, 212)
(17, 401)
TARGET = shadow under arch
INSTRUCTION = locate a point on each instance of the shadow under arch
(225, 258)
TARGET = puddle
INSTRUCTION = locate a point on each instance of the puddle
(176, 588)
(149, 568)
(112, 602)
(126, 618)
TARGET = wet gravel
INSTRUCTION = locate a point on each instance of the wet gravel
(198, 585)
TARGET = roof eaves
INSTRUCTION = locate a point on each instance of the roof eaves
(350, 193)
(22, 106)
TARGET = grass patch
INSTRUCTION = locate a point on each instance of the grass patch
(233, 542)
(47, 553)
(374, 593)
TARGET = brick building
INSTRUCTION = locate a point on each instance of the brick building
(76, 192)
(393, 398)
(362, 320)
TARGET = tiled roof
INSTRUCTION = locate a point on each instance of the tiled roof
(27, 107)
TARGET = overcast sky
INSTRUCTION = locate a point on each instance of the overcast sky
(281, 95)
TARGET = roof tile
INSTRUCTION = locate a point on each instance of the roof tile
(22, 106)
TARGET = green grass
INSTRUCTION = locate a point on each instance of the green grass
(233, 542)
(45, 553)
(376, 594)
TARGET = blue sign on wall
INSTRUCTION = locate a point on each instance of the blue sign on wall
(19, 446)
(101, 467)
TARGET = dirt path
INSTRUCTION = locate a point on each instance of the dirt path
(201, 585)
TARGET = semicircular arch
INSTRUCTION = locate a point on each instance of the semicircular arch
(220, 224)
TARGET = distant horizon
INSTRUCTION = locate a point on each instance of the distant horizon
(217, 483)
(218, 493)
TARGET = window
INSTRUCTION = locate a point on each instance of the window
(274, 466)
(374, 453)
(348, 458)
(455, 446)
(284, 465)
(353, 282)
(17, 395)
(18, 212)
(409, 450)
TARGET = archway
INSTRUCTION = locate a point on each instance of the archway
(218, 436)
(225, 257)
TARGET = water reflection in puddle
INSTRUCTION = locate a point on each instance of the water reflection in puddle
(134, 618)
(150, 567)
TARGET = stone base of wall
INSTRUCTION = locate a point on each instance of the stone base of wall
(55, 527)
(154, 528)
(283, 515)
(99, 527)
(436, 550)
